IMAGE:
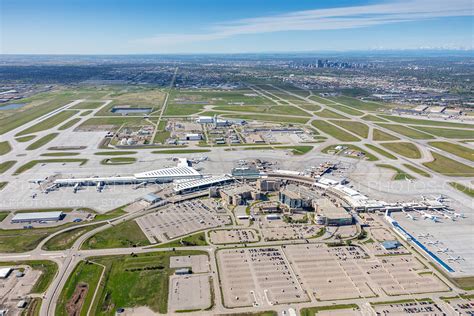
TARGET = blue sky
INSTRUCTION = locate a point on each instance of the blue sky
(231, 26)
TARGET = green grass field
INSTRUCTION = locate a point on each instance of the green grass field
(60, 154)
(264, 109)
(33, 163)
(399, 174)
(114, 121)
(115, 153)
(69, 123)
(84, 273)
(46, 124)
(3, 215)
(379, 135)
(406, 120)
(455, 149)
(330, 114)
(446, 132)
(259, 117)
(311, 311)
(85, 113)
(449, 167)
(38, 105)
(48, 271)
(464, 189)
(3, 184)
(5, 148)
(381, 151)
(136, 280)
(358, 104)
(417, 170)
(345, 109)
(310, 107)
(87, 105)
(42, 141)
(408, 150)
(406, 131)
(357, 128)
(65, 240)
(4, 166)
(25, 139)
(373, 118)
(198, 239)
(30, 238)
(334, 131)
(123, 235)
(182, 109)
(118, 161)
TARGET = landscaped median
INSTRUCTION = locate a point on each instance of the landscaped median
(118, 161)
(448, 166)
(399, 174)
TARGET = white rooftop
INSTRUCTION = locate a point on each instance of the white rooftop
(4, 272)
(175, 172)
(187, 185)
(37, 216)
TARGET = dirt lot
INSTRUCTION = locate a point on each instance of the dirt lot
(74, 305)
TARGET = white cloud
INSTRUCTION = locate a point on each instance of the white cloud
(324, 19)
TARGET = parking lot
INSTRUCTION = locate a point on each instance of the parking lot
(290, 232)
(257, 277)
(189, 292)
(348, 272)
(181, 219)
(197, 263)
(462, 306)
(232, 236)
(410, 308)
(13, 289)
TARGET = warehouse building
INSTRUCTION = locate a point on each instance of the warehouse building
(38, 217)
(5, 272)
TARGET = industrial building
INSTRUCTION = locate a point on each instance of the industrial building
(151, 198)
(37, 217)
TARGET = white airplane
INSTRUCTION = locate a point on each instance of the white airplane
(424, 235)
(410, 217)
(433, 242)
(140, 185)
(100, 186)
(76, 187)
(458, 258)
(434, 218)
(36, 181)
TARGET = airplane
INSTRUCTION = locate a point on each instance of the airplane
(410, 217)
(34, 195)
(100, 186)
(441, 198)
(445, 250)
(434, 218)
(76, 187)
(424, 235)
(36, 181)
(434, 242)
(140, 185)
(458, 258)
